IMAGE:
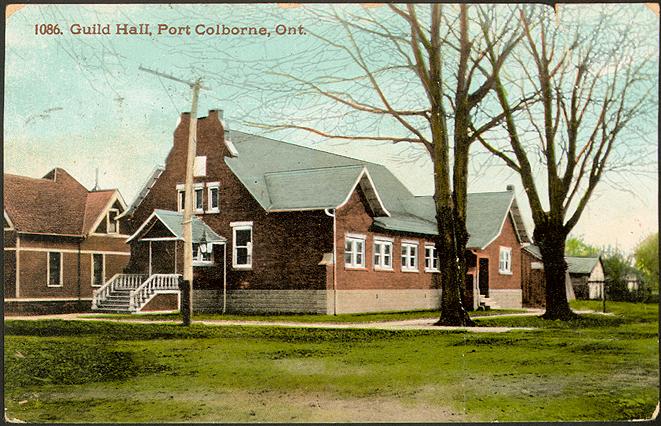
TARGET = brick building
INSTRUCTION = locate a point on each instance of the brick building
(284, 213)
(61, 241)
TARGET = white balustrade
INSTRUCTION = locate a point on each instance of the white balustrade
(155, 284)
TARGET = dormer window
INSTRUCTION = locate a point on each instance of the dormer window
(112, 224)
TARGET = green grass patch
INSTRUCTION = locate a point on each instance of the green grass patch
(598, 368)
(304, 318)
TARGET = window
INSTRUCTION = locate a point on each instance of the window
(505, 260)
(199, 200)
(54, 278)
(354, 252)
(382, 254)
(241, 245)
(409, 256)
(181, 200)
(200, 166)
(98, 270)
(112, 224)
(431, 260)
(202, 254)
(213, 201)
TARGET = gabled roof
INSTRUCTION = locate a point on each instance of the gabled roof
(581, 265)
(173, 221)
(282, 176)
(311, 189)
(55, 204)
(96, 202)
(534, 250)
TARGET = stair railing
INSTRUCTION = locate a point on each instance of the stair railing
(117, 282)
(154, 284)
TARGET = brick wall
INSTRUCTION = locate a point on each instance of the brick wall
(354, 218)
(507, 238)
(76, 279)
(287, 247)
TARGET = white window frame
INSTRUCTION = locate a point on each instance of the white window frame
(353, 239)
(431, 260)
(211, 186)
(241, 226)
(103, 269)
(505, 265)
(116, 231)
(181, 189)
(181, 194)
(48, 269)
(406, 248)
(198, 259)
(200, 166)
(381, 264)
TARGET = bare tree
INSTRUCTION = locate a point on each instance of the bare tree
(594, 81)
(423, 73)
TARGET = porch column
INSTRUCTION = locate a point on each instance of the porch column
(175, 256)
(149, 258)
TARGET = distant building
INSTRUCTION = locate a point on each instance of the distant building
(587, 276)
(61, 241)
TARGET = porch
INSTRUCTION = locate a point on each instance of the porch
(158, 248)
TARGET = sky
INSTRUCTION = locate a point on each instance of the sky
(80, 102)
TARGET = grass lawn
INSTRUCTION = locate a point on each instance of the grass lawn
(303, 318)
(598, 368)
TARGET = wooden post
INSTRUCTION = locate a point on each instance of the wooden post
(187, 310)
(188, 207)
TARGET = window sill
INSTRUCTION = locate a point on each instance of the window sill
(212, 211)
(355, 268)
(383, 269)
(54, 286)
(410, 270)
(432, 271)
(505, 273)
(242, 267)
(204, 264)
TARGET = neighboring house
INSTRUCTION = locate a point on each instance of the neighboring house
(273, 216)
(61, 241)
(587, 276)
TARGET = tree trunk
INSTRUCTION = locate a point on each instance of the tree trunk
(551, 241)
(452, 308)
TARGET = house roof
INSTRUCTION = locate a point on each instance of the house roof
(534, 250)
(581, 265)
(173, 221)
(282, 177)
(55, 204)
(310, 189)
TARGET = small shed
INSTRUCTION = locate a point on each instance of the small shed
(587, 276)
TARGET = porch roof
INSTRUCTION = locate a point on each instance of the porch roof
(173, 222)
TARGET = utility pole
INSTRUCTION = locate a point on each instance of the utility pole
(187, 290)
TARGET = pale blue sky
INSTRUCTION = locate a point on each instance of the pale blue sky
(81, 103)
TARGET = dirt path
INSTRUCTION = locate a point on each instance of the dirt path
(413, 324)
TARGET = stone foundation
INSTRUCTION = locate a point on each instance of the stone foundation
(507, 299)
(315, 301)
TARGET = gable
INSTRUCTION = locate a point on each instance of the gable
(8, 225)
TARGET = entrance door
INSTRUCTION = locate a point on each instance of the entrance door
(483, 276)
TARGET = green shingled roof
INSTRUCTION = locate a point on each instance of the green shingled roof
(283, 176)
(173, 221)
(581, 265)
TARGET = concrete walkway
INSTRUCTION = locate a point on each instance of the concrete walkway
(412, 324)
